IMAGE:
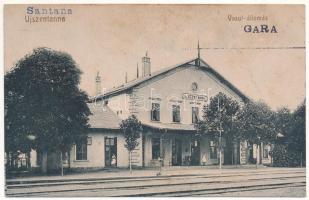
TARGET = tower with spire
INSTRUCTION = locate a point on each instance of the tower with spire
(146, 65)
(98, 84)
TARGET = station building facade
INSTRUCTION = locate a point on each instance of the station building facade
(167, 103)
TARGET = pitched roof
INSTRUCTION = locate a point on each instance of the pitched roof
(103, 117)
(124, 87)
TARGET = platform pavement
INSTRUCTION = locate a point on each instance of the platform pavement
(125, 173)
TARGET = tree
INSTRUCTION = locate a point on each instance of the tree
(132, 129)
(256, 123)
(296, 137)
(283, 121)
(219, 119)
(43, 100)
(280, 155)
(290, 149)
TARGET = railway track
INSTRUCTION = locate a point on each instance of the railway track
(232, 190)
(46, 183)
(180, 185)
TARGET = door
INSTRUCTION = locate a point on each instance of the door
(195, 152)
(176, 152)
(228, 153)
(110, 152)
(251, 159)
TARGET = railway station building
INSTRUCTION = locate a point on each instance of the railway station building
(168, 103)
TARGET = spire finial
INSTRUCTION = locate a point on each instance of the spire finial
(198, 53)
(137, 73)
(198, 49)
(126, 77)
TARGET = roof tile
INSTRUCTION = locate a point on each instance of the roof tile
(103, 117)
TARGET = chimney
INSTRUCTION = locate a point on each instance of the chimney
(146, 65)
(98, 84)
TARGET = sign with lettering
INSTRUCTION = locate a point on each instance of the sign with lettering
(195, 97)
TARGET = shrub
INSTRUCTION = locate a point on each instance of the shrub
(279, 154)
(284, 157)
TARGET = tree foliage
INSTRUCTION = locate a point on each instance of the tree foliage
(219, 114)
(42, 99)
(131, 128)
(251, 121)
(256, 123)
(297, 134)
(290, 149)
(280, 156)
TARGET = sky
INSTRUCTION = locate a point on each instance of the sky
(112, 39)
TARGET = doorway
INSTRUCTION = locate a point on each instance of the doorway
(228, 153)
(195, 152)
(176, 152)
(251, 159)
(110, 152)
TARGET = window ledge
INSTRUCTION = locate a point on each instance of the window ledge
(155, 121)
(80, 160)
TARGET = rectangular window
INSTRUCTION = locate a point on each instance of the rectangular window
(176, 113)
(155, 112)
(81, 150)
(195, 117)
(155, 148)
(213, 150)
